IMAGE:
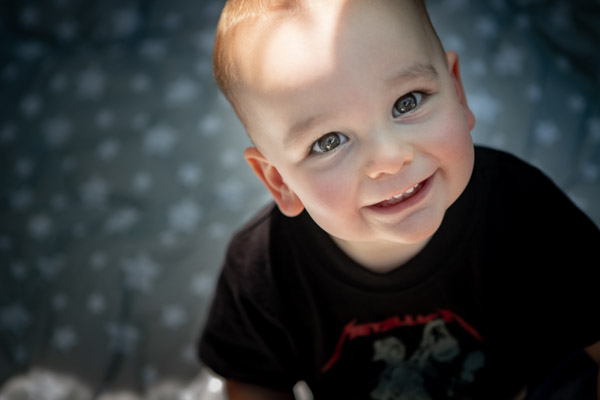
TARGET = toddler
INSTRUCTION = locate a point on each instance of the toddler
(399, 261)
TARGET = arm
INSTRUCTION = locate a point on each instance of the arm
(244, 391)
(245, 334)
(594, 352)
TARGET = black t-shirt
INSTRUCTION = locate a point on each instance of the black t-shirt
(506, 288)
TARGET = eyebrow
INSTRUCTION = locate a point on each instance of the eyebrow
(301, 127)
(417, 70)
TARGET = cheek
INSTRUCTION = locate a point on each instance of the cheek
(331, 190)
(449, 134)
(454, 147)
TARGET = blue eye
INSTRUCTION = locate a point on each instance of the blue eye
(328, 142)
(407, 103)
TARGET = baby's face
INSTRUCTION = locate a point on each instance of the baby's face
(355, 107)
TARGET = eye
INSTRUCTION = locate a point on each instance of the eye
(328, 142)
(407, 103)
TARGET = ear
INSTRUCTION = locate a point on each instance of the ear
(286, 199)
(452, 60)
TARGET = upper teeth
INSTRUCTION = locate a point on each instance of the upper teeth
(409, 191)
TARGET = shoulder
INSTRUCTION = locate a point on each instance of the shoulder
(525, 208)
(499, 162)
(249, 247)
(511, 178)
(247, 315)
(253, 237)
(519, 199)
(252, 263)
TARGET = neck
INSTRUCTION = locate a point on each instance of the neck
(380, 257)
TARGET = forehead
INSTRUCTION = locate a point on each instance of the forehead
(323, 32)
(330, 45)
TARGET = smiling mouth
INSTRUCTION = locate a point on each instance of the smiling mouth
(392, 201)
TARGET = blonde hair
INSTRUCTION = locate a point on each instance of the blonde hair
(238, 14)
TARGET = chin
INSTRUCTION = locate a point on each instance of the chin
(419, 232)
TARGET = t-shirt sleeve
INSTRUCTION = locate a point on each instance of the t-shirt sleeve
(551, 263)
(569, 269)
(245, 337)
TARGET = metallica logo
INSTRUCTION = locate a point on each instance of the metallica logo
(352, 331)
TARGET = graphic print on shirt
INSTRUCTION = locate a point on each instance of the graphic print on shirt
(422, 357)
(404, 377)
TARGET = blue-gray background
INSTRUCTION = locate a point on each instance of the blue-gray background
(121, 173)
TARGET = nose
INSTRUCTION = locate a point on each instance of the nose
(387, 154)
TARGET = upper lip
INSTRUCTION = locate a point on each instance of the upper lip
(410, 189)
(399, 193)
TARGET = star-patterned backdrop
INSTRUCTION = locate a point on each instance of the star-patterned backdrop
(122, 177)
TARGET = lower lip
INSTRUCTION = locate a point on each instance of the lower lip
(408, 203)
